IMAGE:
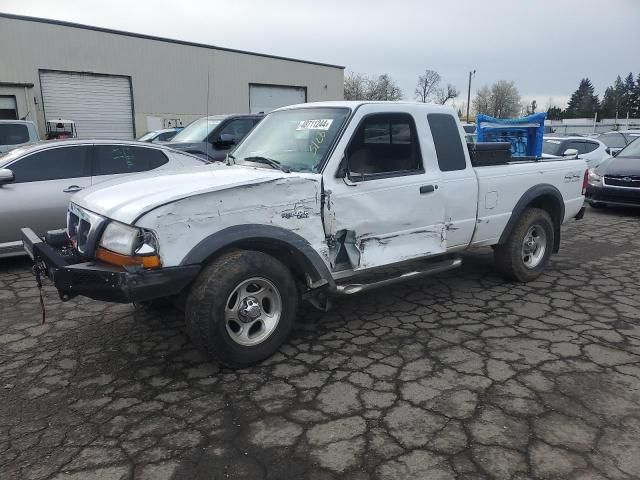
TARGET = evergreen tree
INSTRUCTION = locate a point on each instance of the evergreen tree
(608, 105)
(627, 100)
(584, 102)
(618, 95)
(635, 107)
(554, 113)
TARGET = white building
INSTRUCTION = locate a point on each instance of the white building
(117, 84)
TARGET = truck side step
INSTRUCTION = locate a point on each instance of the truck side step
(426, 269)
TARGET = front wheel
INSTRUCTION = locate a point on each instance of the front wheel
(525, 254)
(241, 308)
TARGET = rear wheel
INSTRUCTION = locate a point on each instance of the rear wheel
(241, 308)
(525, 254)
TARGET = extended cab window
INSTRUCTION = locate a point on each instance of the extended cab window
(385, 143)
(446, 138)
(52, 164)
(115, 159)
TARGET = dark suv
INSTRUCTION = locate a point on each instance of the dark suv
(212, 137)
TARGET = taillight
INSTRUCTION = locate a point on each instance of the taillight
(585, 181)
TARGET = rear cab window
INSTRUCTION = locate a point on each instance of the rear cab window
(446, 139)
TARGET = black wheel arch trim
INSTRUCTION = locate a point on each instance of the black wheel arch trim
(529, 197)
(229, 237)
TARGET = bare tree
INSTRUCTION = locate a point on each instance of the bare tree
(362, 87)
(383, 88)
(501, 100)
(355, 86)
(444, 94)
(482, 101)
(427, 85)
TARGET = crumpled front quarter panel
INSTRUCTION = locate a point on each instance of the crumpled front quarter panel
(292, 203)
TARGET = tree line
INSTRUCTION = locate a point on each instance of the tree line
(499, 100)
(621, 99)
(358, 86)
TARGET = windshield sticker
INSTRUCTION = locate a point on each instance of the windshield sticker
(320, 124)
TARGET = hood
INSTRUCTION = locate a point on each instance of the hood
(620, 166)
(126, 200)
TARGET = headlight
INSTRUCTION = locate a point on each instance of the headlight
(594, 178)
(120, 238)
(128, 246)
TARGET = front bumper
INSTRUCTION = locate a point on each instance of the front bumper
(617, 197)
(100, 281)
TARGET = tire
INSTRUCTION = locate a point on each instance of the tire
(525, 263)
(597, 205)
(241, 308)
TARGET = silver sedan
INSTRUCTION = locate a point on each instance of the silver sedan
(37, 181)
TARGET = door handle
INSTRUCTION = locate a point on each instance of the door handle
(427, 188)
(72, 189)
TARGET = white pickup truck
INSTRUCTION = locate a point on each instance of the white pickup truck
(320, 199)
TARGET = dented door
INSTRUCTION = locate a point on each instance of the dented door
(389, 208)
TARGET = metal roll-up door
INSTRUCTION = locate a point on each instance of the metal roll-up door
(264, 98)
(101, 105)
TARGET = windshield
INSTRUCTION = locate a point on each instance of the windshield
(631, 150)
(197, 131)
(551, 147)
(147, 136)
(297, 139)
(613, 140)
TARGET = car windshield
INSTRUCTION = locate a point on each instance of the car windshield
(631, 150)
(297, 139)
(551, 146)
(147, 136)
(197, 131)
(613, 140)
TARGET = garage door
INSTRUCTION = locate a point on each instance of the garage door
(100, 105)
(264, 98)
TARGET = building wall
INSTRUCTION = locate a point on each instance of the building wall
(169, 80)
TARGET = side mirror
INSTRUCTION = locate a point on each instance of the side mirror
(6, 176)
(615, 153)
(570, 152)
(226, 139)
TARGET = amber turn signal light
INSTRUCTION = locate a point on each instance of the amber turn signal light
(147, 261)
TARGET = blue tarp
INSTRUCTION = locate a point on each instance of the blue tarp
(525, 134)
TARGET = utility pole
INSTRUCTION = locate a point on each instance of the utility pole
(469, 93)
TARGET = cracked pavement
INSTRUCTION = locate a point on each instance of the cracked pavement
(462, 375)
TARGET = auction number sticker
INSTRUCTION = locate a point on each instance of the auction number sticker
(320, 124)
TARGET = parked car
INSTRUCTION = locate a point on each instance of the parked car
(15, 133)
(616, 141)
(616, 181)
(310, 206)
(591, 150)
(37, 181)
(212, 137)
(160, 136)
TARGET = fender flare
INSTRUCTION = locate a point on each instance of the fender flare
(528, 197)
(310, 259)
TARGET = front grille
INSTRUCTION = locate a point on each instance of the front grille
(83, 228)
(628, 181)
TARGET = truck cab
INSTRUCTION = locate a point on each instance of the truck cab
(319, 200)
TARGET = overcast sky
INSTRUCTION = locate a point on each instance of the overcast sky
(545, 46)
